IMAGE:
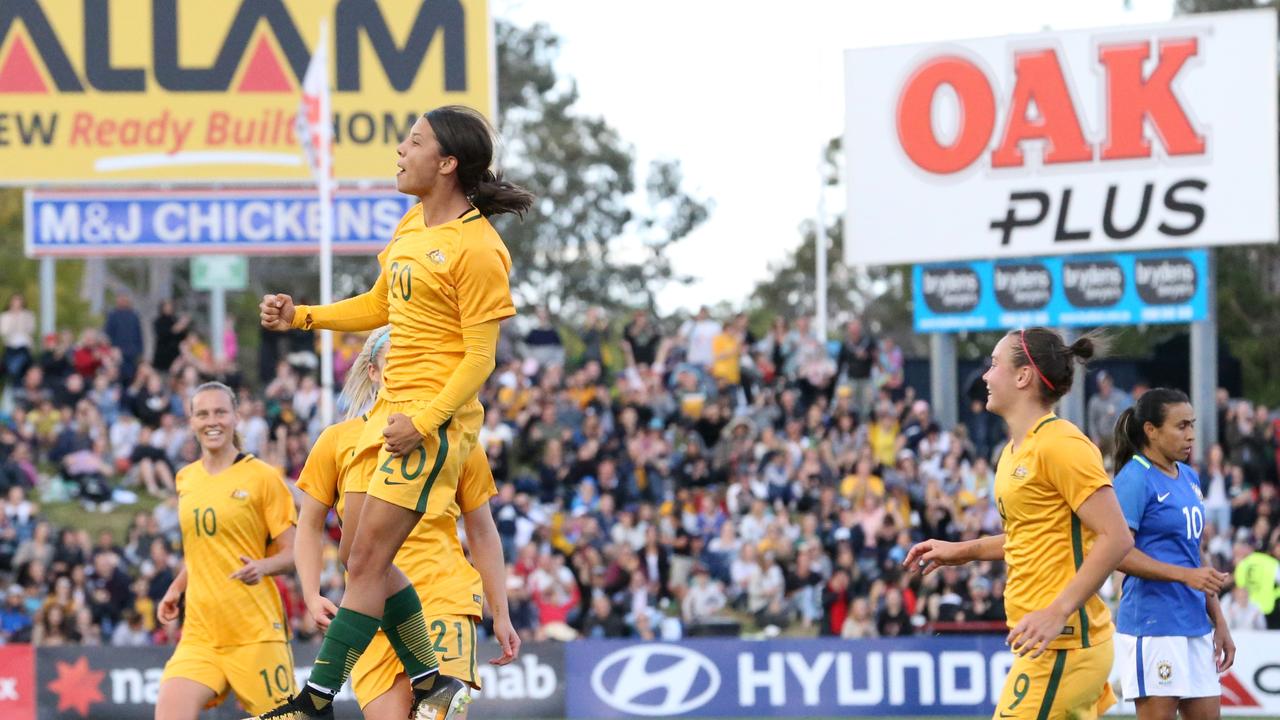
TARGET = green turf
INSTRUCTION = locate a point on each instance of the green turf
(71, 514)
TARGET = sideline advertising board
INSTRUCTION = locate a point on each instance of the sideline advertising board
(818, 678)
(96, 683)
(1077, 290)
(192, 91)
(1076, 142)
(206, 222)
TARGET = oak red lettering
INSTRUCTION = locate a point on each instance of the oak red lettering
(1038, 78)
(1131, 100)
(915, 115)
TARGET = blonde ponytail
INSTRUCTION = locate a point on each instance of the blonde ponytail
(359, 390)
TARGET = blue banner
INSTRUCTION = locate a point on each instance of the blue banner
(1112, 289)
(791, 678)
(245, 222)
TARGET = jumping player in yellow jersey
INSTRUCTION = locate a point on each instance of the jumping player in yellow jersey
(443, 289)
(1064, 534)
(432, 557)
(237, 530)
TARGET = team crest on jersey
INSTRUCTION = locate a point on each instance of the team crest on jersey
(240, 494)
(476, 599)
(436, 256)
(1020, 473)
(1165, 671)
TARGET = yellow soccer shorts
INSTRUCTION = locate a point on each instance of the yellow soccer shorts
(454, 637)
(1059, 684)
(260, 674)
(425, 479)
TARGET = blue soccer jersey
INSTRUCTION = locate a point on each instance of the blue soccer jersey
(1166, 516)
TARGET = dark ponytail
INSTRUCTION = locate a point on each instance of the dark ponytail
(1053, 360)
(494, 196)
(1129, 439)
(466, 135)
(1130, 434)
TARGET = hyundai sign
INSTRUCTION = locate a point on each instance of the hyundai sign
(793, 678)
(1114, 289)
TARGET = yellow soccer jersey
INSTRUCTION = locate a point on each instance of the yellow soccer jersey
(234, 513)
(1038, 488)
(434, 282)
(333, 454)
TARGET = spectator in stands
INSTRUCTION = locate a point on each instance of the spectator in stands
(1241, 612)
(893, 620)
(697, 336)
(15, 623)
(854, 363)
(124, 329)
(1104, 407)
(17, 331)
(542, 342)
(170, 330)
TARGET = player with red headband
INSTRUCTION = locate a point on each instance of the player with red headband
(1064, 534)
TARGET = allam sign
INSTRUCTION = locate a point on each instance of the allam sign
(188, 91)
(1088, 141)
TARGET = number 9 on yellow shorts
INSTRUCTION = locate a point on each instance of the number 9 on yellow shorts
(1059, 684)
(260, 674)
(454, 638)
(425, 479)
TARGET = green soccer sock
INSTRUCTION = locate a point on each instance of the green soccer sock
(406, 629)
(348, 636)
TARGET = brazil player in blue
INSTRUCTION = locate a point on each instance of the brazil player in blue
(1171, 636)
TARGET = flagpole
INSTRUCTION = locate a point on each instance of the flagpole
(325, 188)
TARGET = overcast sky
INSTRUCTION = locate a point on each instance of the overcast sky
(746, 94)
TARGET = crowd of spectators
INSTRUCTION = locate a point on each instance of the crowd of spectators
(655, 479)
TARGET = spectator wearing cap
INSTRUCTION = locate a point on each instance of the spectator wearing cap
(15, 623)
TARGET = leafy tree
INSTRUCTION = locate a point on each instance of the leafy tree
(567, 253)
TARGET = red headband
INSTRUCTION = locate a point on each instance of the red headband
(1022, 335)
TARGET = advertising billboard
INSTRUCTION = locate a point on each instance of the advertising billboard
(1088, 141)
(206, 222)
(1076, 290)
(187, 91)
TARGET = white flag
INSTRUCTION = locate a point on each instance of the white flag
(312, 123)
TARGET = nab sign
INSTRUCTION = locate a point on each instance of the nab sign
(195, 91)
(1088, 141)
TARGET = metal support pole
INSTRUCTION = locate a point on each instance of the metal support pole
(217, 315)
(48, 296)
(1204, 367)
(820, 255)
(942, 379)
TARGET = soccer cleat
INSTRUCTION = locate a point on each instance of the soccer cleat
(303, 706)
(445, 700)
